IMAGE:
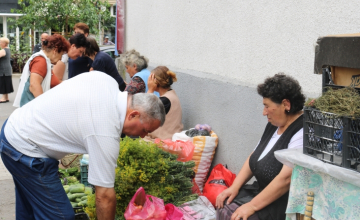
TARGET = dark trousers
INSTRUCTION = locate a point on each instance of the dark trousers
(39, 193)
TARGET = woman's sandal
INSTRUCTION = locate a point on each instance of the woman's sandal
(4, 101)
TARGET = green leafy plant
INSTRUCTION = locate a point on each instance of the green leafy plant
(143, 164)
(21, 55)
(61, 15)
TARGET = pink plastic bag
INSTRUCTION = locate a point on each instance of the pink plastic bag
(173, 213)
(145, 207)
(184, 149)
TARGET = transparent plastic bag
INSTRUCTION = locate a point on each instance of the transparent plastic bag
(198, 209)
(184, 149)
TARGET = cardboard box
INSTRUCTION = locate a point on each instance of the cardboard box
(338, 51)
(343, 76)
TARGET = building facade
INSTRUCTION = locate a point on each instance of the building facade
(221, 50)
(5, 21)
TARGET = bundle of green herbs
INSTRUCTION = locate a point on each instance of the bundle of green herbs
(343, 102)
(144, 164)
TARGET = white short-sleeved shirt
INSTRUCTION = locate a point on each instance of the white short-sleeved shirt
(295, 142)
(82, 115)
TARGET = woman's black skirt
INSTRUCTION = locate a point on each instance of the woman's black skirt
(6, 85)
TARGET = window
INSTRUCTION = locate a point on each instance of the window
(1, 26)
(113, 10)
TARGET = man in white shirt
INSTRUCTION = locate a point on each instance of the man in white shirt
(107, 42)
(84, 115)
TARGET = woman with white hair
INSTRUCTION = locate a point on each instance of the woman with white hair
(6, 86)
(136, 65)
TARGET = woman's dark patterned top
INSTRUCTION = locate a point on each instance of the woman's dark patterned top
(136, 85)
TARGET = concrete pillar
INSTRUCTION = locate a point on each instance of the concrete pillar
(4, 26)
(17, 37)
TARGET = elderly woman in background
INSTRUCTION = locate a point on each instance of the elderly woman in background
(136, 65)
(6, 86)
(283, 103)
(37, 76)
(160, 80)
(103, 62)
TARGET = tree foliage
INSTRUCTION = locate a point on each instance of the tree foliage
(61, 15)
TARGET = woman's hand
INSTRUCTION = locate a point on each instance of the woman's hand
(152, 85)
(227, 193)
(243, 212)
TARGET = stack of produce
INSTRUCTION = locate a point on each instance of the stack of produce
(143, 164)
(76, 192)
(70, 175)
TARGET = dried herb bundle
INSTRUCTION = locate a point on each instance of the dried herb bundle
(343, 102)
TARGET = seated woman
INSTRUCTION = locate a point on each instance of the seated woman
(136, 65)
(160, 80)
(37, 76)
(283, 103)
(103, 62)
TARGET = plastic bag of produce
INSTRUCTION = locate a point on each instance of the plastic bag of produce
(204, 151)
(173, 213)
(200, 208)
(145, 207)
(220, 179)
(184, 149)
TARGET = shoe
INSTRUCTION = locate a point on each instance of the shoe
(4, 101)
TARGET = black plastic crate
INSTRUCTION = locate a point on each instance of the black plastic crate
(332, 139)
(321, 138)
(80, 214)
(352, 143)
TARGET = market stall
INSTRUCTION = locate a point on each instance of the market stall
(152, 179)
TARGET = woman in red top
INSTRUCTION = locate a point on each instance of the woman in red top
(53, 47)
(37, 76)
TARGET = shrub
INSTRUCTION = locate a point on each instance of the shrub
(143, 164)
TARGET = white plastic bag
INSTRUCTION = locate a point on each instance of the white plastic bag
(204, 151)
(198, 209)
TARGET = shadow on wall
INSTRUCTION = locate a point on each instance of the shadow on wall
(234, 112)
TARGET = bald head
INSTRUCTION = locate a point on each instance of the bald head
(43, 36)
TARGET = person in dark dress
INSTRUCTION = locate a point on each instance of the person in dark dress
(103, 62)
(6, 86)
(266, 199)
(83, 63)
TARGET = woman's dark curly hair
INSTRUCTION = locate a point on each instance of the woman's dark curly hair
(280, 87)
(56, 41)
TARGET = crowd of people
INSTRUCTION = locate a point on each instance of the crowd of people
(73, 100)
